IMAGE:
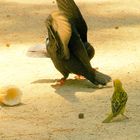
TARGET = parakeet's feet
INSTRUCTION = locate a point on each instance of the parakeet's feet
(125, 116)
(59, 83)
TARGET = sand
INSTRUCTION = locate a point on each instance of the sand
(48, 113)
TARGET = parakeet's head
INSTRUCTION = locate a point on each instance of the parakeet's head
(117, 84)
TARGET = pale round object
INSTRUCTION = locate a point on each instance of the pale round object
(10, 95)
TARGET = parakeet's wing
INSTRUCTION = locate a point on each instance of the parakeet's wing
(118, 102)
(74, 15)
(60, 30)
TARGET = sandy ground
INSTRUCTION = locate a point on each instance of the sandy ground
(47, 113)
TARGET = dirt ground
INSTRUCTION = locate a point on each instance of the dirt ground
(48, 113)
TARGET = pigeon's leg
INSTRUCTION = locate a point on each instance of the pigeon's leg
(79, 77)
(60, 82)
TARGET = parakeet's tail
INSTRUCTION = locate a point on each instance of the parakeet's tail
(108, 119)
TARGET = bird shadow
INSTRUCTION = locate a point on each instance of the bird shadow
(120, 119)
(8, 106)
(71, 87)
(44, 81)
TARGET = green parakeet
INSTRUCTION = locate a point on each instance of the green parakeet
(118, 101)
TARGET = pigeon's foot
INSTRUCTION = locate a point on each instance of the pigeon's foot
(59, 83)
(79, 77)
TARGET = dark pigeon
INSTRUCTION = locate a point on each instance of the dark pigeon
(68, 46)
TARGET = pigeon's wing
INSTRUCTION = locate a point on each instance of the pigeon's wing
(78, 49)
(60, 30)
(74, 15)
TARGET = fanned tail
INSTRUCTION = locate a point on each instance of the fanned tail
(108, 119)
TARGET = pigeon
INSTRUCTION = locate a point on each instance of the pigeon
(68, 47)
